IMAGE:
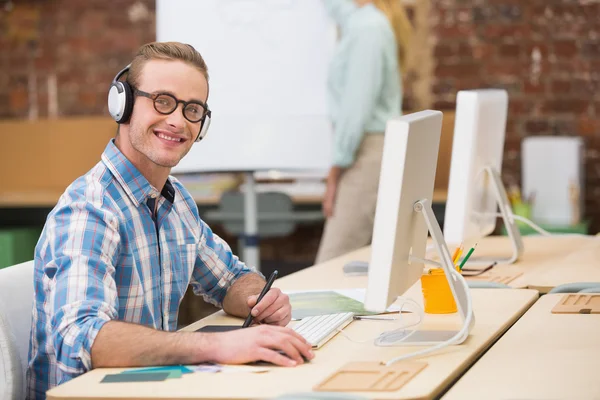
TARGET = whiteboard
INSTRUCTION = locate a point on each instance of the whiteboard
(267, 61)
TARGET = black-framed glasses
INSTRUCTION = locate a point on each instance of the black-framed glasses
(165, 103)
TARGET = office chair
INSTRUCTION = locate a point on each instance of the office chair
(595, 289)
(276, 214)
(574, 287)
(16, 300)
(486, 285)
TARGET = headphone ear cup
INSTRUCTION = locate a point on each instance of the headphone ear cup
(204, 127)
(128, 102)
(120, 101)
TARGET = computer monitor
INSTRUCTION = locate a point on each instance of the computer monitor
(404, 216)
(475, 189)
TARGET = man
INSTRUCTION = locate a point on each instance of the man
(125, 240)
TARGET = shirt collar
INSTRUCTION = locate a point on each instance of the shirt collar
(131, 179)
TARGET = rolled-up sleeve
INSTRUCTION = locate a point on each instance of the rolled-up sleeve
(79, 280)
(216, 268)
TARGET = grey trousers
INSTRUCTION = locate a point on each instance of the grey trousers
(351, 225)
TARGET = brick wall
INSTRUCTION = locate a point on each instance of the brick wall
(545, 53)
(58, 57)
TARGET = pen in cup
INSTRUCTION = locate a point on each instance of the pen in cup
(464, 261)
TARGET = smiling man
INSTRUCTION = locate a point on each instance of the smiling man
(125, 240)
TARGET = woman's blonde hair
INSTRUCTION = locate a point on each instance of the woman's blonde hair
(396, 13)
(165, 51)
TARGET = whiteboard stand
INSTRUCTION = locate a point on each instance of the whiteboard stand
(251, 244)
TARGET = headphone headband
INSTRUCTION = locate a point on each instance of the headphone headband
(121, 73)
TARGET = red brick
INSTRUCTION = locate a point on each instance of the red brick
(564, 126)
(501, 31)
(542, 47)
(483, 51)
(443, 87)
(18, 99)
(510, 12)
(457, 70)
(454, 32)
(565, 48)
(530, 87)
(588, 126)
(482, 14)
(464, 50)
(519, 106)
(561, 86)
(506, 68)
(88, 99)
(444, 50)
(509, 51)
(512, 127)
(444, 105)
(591, 49)
(565, 105)
(512, 144)
(536, 127)
(4, 105)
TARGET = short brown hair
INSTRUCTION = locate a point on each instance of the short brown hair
(165, 51)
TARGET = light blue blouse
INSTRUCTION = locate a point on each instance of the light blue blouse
(364, 86)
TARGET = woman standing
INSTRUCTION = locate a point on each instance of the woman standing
(365, 91)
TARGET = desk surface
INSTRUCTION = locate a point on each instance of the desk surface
(543, 356)
(495, 310)
(49, 199)
(547, 261)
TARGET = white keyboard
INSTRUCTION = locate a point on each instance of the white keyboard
(319, 329)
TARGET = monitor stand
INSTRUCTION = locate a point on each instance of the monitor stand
(421, 337)
(514, 235)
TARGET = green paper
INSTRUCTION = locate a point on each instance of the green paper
(174, 371)
(139, 377)
(308, 304)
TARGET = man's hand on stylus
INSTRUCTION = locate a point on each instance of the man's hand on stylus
(274, 308)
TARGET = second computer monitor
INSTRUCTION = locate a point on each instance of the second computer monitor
(477, 149)
(407, 176)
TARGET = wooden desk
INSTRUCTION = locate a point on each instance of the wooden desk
(495, 311)
(48, 198)
(547, 261)
(543, 356)
(581, 264)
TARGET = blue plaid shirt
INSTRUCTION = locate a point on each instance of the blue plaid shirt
(104, 256)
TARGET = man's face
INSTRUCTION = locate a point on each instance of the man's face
(165, 139)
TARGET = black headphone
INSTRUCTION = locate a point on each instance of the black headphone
(120, 103)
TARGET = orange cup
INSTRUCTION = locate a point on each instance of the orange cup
(437, 296)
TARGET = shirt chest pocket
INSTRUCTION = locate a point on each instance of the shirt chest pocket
(183, 258)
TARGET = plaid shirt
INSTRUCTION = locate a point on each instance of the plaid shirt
(104, 256)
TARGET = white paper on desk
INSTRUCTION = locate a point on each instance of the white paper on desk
(214, 368)
(211, 368)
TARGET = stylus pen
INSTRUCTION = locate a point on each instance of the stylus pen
(249, 318)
